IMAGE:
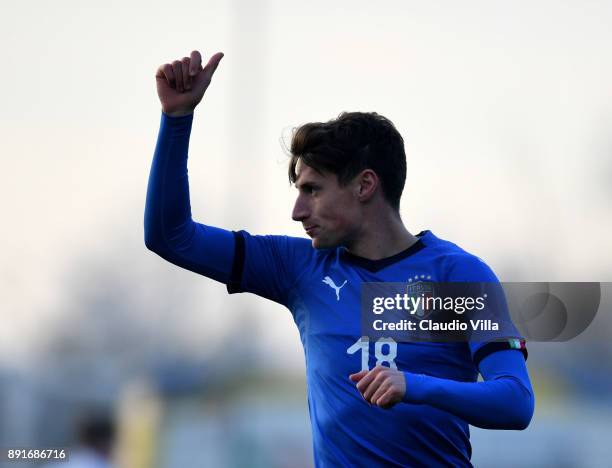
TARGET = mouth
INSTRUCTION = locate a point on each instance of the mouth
(310, 230)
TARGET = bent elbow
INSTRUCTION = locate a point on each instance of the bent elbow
(151, 239)
(149, 244)
(524, 414)
(521, 423)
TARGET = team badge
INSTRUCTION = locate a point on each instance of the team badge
(420, 286)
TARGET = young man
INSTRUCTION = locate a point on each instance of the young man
(371, 403)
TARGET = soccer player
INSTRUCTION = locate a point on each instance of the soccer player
(371, 403)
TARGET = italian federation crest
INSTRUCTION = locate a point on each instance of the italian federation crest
(420, 286)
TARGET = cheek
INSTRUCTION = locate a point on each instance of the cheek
(343, 217)
(343, 221)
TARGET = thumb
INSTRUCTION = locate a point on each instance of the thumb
(212, 65)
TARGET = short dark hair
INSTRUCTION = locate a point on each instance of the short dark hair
(347, 145)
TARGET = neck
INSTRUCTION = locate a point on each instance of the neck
(382, 236)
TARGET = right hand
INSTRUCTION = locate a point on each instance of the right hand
(182, 83)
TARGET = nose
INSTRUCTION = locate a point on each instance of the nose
(301, 211)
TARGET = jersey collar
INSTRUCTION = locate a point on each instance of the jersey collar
(376, 265)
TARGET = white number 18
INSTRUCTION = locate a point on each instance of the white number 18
(363, 344)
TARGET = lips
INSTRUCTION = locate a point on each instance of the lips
(310, 230)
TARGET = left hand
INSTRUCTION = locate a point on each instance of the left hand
(381, 386)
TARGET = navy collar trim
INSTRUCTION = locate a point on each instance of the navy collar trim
(376, 265)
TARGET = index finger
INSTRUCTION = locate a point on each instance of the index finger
(195, 62)
(365, 382)
(358, 375)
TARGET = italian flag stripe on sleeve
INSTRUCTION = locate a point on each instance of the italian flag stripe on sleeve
(516, 343)
(493, 346)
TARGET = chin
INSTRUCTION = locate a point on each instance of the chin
(319, 243)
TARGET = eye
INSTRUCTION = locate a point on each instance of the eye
(309, 189)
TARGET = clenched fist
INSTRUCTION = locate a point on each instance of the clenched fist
(381, 386)
(182, 83)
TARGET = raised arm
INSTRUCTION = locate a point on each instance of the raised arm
(169, 229)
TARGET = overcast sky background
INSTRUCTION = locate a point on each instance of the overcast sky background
(505, 108)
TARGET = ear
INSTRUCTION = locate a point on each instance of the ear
(367, 183)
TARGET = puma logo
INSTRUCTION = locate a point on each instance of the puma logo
(330, 282)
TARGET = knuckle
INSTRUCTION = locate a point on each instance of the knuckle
(186, 60)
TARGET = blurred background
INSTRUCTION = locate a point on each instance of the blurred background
(506, 111)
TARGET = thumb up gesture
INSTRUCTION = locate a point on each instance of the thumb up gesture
(182, 83)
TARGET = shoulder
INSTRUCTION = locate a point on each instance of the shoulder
(456, 263)
(283, 244)
(289, 250)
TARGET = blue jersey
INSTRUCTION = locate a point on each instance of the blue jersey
(321, 288)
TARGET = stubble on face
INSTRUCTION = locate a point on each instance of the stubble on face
(329, 212)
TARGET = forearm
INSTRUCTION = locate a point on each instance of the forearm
(501, 402)
(167, 210)
(169, 229)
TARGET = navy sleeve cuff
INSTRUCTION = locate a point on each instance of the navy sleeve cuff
(235, 281)
(494, 346)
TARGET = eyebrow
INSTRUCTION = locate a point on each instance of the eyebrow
(307, 184)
